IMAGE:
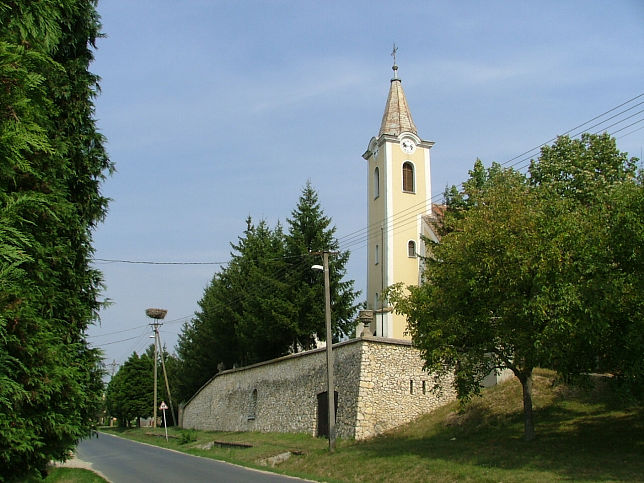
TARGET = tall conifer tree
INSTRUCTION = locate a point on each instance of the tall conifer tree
(52, 161)
(310, 231)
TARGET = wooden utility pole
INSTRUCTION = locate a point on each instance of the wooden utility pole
(329, 354)
(156, 315)
(167, 385)
(329, 347)
(155, 326)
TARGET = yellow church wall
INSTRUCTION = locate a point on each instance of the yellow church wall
(395, 216)
(376, 220)
(407, 209)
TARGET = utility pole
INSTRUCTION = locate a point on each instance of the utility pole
(165, 376)
(156, 315)
(329, 348)
(113, 365)
(382, 266)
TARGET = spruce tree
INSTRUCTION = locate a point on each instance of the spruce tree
(310, 231)
(52, 161)
(263, 311)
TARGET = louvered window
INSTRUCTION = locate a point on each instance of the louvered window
(411, 249)
(408, 177)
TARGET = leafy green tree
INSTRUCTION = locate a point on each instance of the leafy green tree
(617, 298)
(310, 231)
(130, 393)
(52, 163)
(601, 183)
(525, 274)
(582, 169)
(173, 368)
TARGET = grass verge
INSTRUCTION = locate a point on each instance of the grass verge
(581, 435)
(72, 475)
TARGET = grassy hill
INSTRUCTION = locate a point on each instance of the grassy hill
(581, 435)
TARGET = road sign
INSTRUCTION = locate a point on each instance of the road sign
(163, 406)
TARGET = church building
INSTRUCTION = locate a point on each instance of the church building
(399, 196)
(379, 379)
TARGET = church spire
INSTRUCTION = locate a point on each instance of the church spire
(397, 117)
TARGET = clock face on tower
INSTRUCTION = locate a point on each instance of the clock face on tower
(408, 146)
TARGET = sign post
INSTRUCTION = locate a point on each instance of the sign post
(163, 407)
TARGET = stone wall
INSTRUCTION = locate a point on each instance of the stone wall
(372, 378)
(394, 388)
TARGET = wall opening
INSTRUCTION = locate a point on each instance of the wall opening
(376, 183)
(411, 249)
(323, 412)
(408, 177)
(252, 409)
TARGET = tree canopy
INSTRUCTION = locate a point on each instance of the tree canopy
(535, 271)
(52, 161)
(267, 302)
(130, 393)
(310, 231)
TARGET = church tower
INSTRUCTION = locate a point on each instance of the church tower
(398, 198)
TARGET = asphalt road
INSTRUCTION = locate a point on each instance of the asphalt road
(124, 461)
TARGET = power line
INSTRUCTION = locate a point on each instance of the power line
(410, 214)
(115, 332)
(117, 341)
(148, 262)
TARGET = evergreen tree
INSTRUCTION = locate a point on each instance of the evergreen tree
(51, 164)
(246, 314)
(208, 342)
(267, 302)
(310, 231)
(263, 316)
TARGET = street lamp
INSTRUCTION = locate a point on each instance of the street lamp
(329, 350)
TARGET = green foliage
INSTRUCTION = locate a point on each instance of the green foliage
(130, 393)
(51, 163)
(310, 231)
(187, 436)
(539, 271)
(267, 302)
(584, 436)
(582, 169)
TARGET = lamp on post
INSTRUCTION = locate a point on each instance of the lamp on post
(329, 350)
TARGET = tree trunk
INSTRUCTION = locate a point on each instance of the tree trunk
(528, 422)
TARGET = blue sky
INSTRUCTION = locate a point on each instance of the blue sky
(217, 110)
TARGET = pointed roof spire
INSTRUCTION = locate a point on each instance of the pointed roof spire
(397, 117)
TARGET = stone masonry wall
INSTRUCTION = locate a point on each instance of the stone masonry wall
(372, 378)
(394, 388)
(286, 397)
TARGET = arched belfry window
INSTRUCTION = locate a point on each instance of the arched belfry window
(408, 177)
(411, 249)
(376, 182)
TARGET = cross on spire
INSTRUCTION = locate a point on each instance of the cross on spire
(395, 67)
